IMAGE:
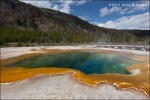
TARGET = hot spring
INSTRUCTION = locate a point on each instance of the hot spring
(86, 62)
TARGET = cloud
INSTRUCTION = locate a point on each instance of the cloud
(65, 5)
(141, 6)
(84, 17)
(115, 9)
(62, 5)
(55, 7)
(80, 2)
(43, 4)
(140, 21)
(138, 6)
(104, 11)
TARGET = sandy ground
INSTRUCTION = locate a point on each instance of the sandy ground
(61, 86)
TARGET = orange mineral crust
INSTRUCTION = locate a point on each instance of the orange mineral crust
(121, 81)
(138, 80)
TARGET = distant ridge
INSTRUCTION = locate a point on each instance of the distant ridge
(18, 18)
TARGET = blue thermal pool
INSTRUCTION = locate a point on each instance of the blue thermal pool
(86, 62)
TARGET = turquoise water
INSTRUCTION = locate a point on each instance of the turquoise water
(86, 62)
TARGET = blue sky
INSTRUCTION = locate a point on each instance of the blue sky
(116, 14)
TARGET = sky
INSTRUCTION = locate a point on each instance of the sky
(115, 14)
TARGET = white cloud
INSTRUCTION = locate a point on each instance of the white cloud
(104, 11)
(43, 4)
(142, 5)
(115, 9)
(80, 2)
(123, 11)
(84, 17)
(63, 6)
(140, 21)
(55, 7)
(138, 6)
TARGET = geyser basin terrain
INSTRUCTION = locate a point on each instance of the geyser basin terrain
(85, 62)
(139, 81)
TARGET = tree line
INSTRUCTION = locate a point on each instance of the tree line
(10, 35)
(15, 35)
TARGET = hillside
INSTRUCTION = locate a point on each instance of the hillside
(24, 23)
